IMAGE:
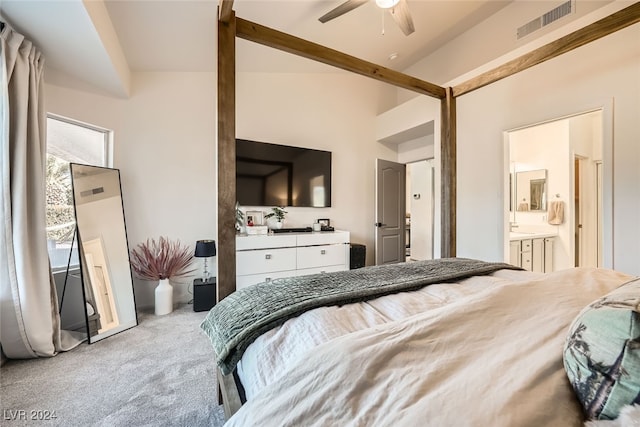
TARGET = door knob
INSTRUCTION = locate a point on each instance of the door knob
(379, 224)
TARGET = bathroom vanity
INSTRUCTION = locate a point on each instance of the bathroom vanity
(532, 251)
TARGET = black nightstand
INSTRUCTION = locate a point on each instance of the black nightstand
(204, 294)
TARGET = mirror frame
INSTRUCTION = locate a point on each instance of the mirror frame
(538, 179)
(86, 260)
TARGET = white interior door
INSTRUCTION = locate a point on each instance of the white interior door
(587, 213)
(104, 300)
(421, 206)
(390, 212)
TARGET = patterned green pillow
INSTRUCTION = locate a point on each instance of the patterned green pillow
(602, 353)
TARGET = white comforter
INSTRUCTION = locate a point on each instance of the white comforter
(483, 352)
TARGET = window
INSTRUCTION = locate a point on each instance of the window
(68, 142)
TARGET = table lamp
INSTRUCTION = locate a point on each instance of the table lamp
(205, 249)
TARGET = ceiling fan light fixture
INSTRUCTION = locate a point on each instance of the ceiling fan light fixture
(386, 4)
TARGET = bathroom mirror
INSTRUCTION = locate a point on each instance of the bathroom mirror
(104, 252)
(531, 190)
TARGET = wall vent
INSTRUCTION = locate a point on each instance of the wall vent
(92, 192)
(542, 21)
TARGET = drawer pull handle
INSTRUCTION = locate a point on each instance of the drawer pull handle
(323, 251)
(267, 256)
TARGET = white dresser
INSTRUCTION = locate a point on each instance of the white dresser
(264, 258)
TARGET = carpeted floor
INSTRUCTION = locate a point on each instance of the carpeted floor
(160, 373)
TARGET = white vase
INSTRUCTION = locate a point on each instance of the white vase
(273, 223)
(164, 297)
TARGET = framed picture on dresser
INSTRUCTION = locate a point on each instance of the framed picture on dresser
(254, 218)
(324, 222)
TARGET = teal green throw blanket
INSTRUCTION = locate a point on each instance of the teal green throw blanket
(236, 321)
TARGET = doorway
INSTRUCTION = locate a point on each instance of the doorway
(405, 207)
(587, 210)
(420, 210)
(390, 212)
(570, 152)
(405, 137)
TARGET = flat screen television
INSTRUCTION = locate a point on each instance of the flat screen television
(280, 175)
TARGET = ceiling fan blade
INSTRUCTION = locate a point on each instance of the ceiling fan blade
(402, 16)
(345, 7)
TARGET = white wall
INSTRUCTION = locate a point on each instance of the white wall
(166, 152)
(327, 111)
(496, 36)
(416, 149)
(581, 80)
(164, 138)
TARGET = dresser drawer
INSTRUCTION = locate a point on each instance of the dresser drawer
(323, 238)
(252, 279)
(525, 261)
(265, 242)
(318, 256)
(265, 261)
(317, 270)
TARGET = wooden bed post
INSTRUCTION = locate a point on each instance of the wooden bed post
(229, 392)
(448, 175)
(226, 154)
(226, 279)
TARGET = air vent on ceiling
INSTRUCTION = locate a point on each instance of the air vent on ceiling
(542, 21)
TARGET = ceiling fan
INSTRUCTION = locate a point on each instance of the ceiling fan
(399, 10)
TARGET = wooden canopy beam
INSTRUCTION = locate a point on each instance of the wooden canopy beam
(225, 9)
(278, 40)
(605, 26)
(226, 279)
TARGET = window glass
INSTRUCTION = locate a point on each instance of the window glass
(67, 142)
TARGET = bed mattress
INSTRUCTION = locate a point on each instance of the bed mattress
(269, 357)
(484, 351)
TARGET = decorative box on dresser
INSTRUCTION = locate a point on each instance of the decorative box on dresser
(264, 258)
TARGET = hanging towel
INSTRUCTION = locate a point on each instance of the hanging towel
(556, 212)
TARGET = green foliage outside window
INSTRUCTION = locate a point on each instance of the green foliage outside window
(59, 206)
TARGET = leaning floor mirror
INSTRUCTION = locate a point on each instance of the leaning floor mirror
(104, 252)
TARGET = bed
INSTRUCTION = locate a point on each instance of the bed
(443, 342)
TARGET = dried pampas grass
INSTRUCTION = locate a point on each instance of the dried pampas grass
(162, 259)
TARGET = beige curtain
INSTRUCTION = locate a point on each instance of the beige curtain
(29, 321)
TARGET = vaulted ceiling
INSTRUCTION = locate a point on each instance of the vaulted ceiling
(96, 44)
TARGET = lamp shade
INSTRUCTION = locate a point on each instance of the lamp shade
(205, 248)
